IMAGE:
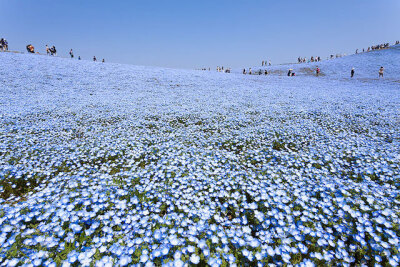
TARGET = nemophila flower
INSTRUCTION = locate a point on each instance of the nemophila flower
(286, 257)
(393, 262)
(123, 261)
(72, 257)
(378, 258)
(190, 249)
(144, 258)
(37, 262)
(178, 262)
(76, 228)
(194, 259)
(177, 254)
(12, 262)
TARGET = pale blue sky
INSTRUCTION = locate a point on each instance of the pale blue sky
(192, 34)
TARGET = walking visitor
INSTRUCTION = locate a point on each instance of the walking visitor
(381, 72)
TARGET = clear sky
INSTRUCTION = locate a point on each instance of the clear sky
(201, 33)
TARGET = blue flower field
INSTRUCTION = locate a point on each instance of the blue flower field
(117, 165)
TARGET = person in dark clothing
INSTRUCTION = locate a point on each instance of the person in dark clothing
(381, 72)
(71, 53)
(30, 48)
(94, 59)
(244, 71)
(53, 51)
(266, 72)
(79, 58)
(103, 60)
(2, 45)
(352, 72)
(318, 71)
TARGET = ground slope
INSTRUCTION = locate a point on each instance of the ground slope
(119, 164)
(366, 66)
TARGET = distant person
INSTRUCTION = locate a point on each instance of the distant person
(94, 59)
(2, 45)
(262, 63)
(103, 60)
(30, 48)
(47, 50)
(381, 72)
(318, 71)
(352, 72)
(244, 71)
(266, 72)
(289, 72)
(269, 63)
(53, 51)
(71, 53)
(250, 71)
(79, 58)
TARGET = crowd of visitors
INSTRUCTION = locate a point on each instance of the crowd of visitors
(332, 56)
(381, 46)
(312, 59)
(266, 63)
(221, 69)
(376, 47)
(3, 45)
(52, 51)
(259, 72)
(336, 56)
